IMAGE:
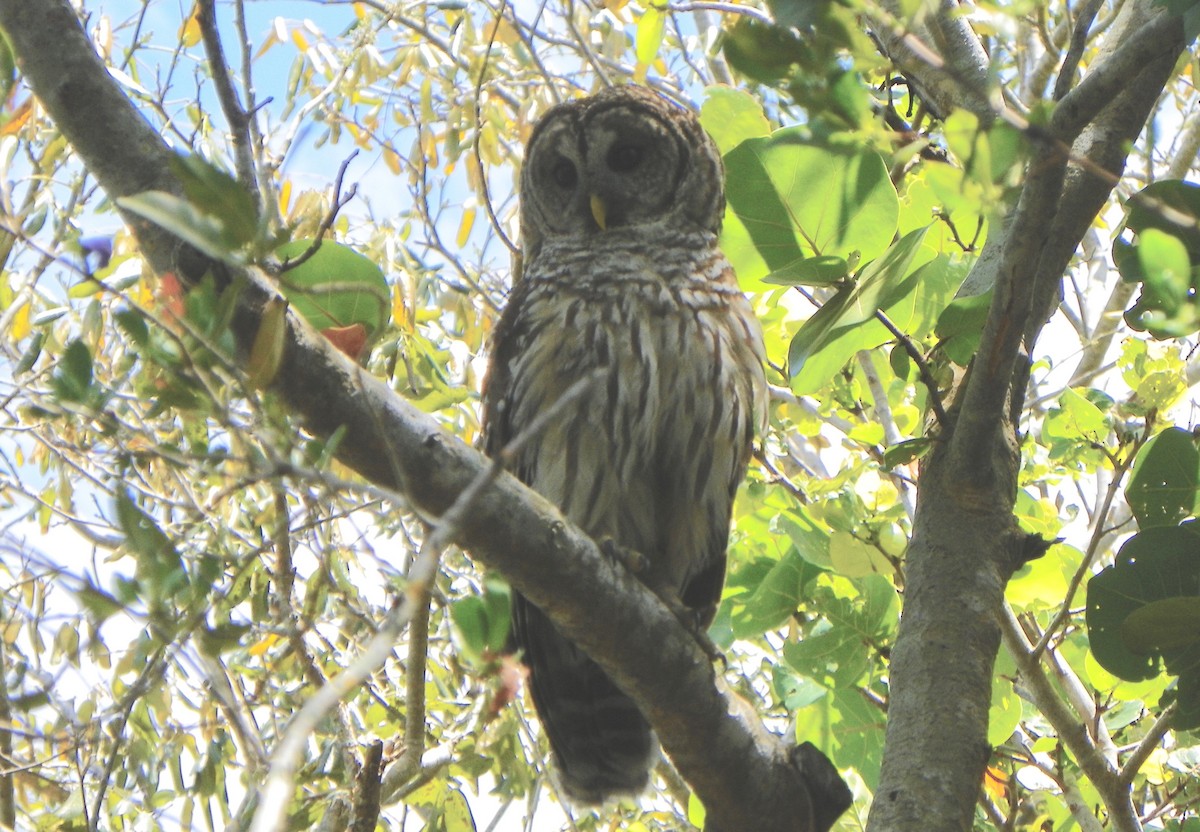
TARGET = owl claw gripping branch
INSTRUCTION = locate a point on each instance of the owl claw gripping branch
(622, 196)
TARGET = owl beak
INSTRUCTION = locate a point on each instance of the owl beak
(599, 211)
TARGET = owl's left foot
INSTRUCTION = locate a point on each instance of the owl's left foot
(631, 559)
(691, 619)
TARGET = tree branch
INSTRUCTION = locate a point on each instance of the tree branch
(941, 56)
(746, 777)
(1069, 727)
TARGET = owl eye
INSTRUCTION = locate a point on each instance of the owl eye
(564, 175)
(624, 157)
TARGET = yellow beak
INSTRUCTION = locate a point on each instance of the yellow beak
(598, 211)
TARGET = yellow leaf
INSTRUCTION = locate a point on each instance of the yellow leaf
(285, 197)
(20, 116)
(189, 32)
(399, 310)
(429, 148)
(267, 352)
(995, 783)
(465, 225)
(456, 814)
(20, 323)
(263, 645)
(299, 39)
(360, 11)
(392, 159)
(649, 35)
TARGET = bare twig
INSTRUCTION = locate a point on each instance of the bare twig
(931, 385)
(340, 201)
(1079, 38)
(239, 120)
(481, 173)
(277, 791)
(1148, 743)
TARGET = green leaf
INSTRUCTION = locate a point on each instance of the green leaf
(73, 375)
(731, 116)
(481, 622)
(775, 598)
(907, 451)
(1005, 713)
(810, 538)
(881, 283)
(960, 325)
(860, 727)
(134, 326)
(1156, 564)
(855, 558)
(266, 354)
(1163, 485)
(214, 641)
(1164, 217)
(1159, 626)
(1074, 422)
(834, 657)
(216, 193)
(8, 71)
(761, 51)
(160, 570)
(811, 271)
(336, 287)
(178, 216)
(99, 604)
(773, 221)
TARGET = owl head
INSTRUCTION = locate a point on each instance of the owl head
(623, 158)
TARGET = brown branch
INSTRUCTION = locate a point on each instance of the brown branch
(1069, 727)
(238, 118)
(366, 787)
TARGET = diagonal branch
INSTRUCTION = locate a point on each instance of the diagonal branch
(747, 778)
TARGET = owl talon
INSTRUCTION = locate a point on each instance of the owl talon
(692, 621)
(631, 559)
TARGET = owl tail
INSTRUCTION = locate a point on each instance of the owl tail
(603, 747)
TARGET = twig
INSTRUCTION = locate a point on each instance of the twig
(277, 791)
(339, 202)
(237, 117)
(1120, 467)
(409, 762)
(152, 671)
(883, 412)
(366, 787)
(479, 169)
(1068, 726)
(935, 399)
(725, 8)
(1079, 37)
(1148, 744)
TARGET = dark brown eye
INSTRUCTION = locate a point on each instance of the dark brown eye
(623, 158)
(564, 175)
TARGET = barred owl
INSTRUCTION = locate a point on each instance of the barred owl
(621, 201)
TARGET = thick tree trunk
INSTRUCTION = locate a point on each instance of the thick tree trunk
(966, 542)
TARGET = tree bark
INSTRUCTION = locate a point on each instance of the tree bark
(746, 777)
(966, 542)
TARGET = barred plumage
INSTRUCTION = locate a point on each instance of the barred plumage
(623, 276)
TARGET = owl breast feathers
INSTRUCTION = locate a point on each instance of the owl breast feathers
(621, 202)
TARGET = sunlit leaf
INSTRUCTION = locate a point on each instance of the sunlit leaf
(1163, 484)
